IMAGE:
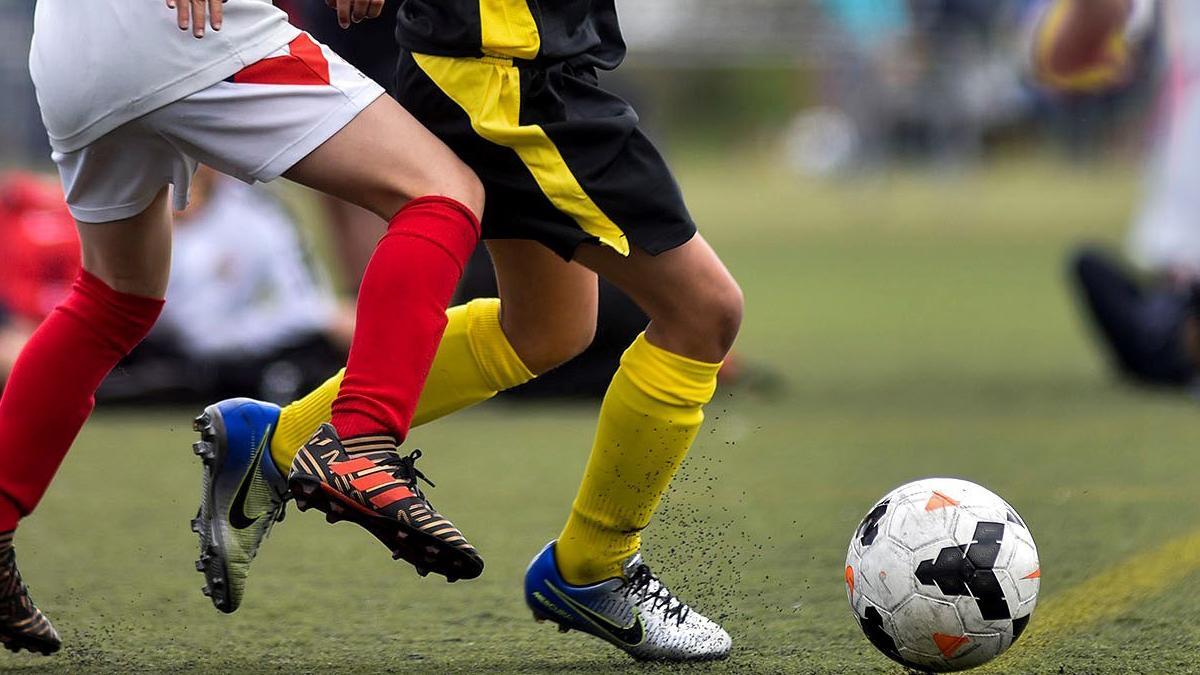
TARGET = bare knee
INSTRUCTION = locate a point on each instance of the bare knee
(546, 342)
(703, 327)
(722, 315)
(463, 186)
(457, 182)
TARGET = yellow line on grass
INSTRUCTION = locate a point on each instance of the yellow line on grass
(1107, 595)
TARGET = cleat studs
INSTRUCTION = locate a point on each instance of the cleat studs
(199, 565)
(196, 525)
(332, 518)
(451, 580)
(402, 535)
(563, 629)
(432, 550)
(206, 591)
(422, 571)
(396, 555)
(204, 449)
(202, 422)
(538, 618)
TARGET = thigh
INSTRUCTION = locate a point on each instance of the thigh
(689, 294)
(132, 255)
(384, 158)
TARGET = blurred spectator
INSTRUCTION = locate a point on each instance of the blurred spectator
(1148, 319)
(246, 312)
(911, 78)
(41, 249)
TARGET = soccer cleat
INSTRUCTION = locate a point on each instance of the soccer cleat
(22, 624)
(634, 611)
(366, 481)
(243, 495)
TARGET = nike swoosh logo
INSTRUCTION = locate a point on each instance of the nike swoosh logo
(631, 636)
(237, 510)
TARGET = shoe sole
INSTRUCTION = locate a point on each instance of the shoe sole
(211, 427)
(15, 643)
(425, 553)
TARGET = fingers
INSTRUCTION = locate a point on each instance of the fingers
(183, 14)
(199, 17)
(363, 10)
(344, 9)
(216, 10)
(354, 11)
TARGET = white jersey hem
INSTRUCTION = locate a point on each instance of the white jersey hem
(202, 78)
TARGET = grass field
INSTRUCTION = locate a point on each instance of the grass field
(922, 327)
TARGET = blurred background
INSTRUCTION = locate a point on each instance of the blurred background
(823, 95)
(948, 271)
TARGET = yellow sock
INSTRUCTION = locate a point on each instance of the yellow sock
(650, 416)
(474, 361)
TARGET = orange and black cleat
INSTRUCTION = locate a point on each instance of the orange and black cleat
(366, 481)
(22, 624)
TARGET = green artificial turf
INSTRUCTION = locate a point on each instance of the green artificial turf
(920, 325)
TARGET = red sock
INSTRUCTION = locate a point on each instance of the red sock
(402, 314)
(52, 388)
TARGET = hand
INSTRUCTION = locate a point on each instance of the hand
(191, 14)
(354, 11)
(1081, 46)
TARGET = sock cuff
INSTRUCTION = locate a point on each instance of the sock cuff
(94, 288)
(499, 363)
(442, 221)
(669, 378)
(121, 320)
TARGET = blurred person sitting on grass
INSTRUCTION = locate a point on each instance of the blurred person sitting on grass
(238, 256)
(1149, 323)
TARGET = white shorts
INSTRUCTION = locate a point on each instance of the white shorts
(253, 126)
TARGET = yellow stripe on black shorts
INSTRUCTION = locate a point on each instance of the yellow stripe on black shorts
(563, 161)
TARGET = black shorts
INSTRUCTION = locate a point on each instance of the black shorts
(563, 160)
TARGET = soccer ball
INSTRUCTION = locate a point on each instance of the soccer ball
(942, 575)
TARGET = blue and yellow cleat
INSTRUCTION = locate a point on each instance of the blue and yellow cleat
(243, 494)
(634, 611)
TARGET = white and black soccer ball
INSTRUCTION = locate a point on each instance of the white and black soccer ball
(942, 575)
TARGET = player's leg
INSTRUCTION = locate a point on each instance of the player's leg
(548, 317)
(112, 306)
(545, 315)
(650, 416)
(666, 376)
(347, 140)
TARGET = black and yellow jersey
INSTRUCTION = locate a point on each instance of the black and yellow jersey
(584, 32)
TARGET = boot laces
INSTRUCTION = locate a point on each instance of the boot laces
(405, 470)
(645, 589)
